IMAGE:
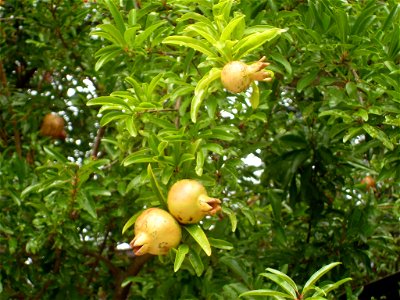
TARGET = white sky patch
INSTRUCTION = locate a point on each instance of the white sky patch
(252, 160)
(123, 246)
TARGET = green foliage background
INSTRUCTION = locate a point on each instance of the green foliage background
(330, 117)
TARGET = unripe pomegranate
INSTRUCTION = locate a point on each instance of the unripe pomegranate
(53, 126)
(188, 202)
(237, 76)
(369, 182)
(156, 231)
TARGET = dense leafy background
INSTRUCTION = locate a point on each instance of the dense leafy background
(330, 117)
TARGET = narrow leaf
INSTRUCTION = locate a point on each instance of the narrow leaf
(201, 91)
(332, 286)
(281, 281)
(286, 278)
(255, 95)
(200, 237)
(140, 38)
(317, 275)
(180, 256)
(306, 80)
(227, 32)
(253, 41)
(87, 204)
(191, 43)
(265, 292)
(131, 221)
(232, 217)
(155, 185)
(119, 21)
(220, 244)
(196, 262)
(378, 134)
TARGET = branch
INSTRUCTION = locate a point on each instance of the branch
(97, 141)
(17, 136)
(113, 269)
(122, 293)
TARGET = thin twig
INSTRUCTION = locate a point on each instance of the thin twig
(97, 141)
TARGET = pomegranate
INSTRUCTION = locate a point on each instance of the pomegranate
(53, 126)
(156, 231)
(369, 182)
(237, 76)
(188, 201)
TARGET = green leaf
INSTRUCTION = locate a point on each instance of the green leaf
(119, 21)
(197, 17)
(196, 262)
(141, 156)
(106, 58)
(306, 80)
(87, 204)
(283, 61)
(337, 113)
(153, 84)
(236, 267)
(352, 132)
(155, 185)
(232, 217)
(191, 43)
(53, 153)
(253, 41)
(117, 102)
(180, 256)
(284, 281)
(131, 221)
(140, 38)
(111, 116)
(331, 286)
(130, 126)
(130, 36)
(378, 134)
(114, 35)
(199, 236)
(200, 158)
(222, 134)
(255, 95)
(201, 91)
(317, 275)
(204, 31)
(265, 292)
(230, 28)
(106, 50)
(220, 244)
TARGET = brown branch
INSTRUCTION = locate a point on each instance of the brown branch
(177, 106)
(3, 77)
(122, 293)
(97, 141)
(17, 136)
(113, 269)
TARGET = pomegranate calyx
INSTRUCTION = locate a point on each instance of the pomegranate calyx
(209, 205)
(257, 73)
(140, 244)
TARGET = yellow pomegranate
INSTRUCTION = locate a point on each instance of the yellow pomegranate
(237, 76)
(188, 201)
(156, 232)
(53, 126)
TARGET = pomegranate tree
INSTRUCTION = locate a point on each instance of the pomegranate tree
(188, 202)
(156, 232)
(236, 76)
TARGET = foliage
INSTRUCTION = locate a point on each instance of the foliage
(291, 289)
(138, 85)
